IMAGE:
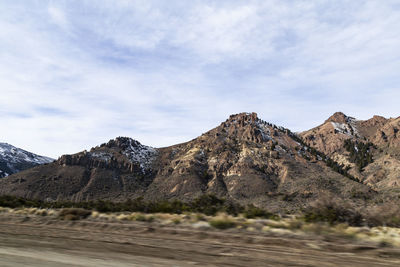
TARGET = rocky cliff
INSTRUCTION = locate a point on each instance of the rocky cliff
(369, 148)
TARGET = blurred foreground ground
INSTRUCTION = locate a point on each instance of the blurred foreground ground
(46, 241)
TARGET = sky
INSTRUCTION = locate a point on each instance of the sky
(74, 74)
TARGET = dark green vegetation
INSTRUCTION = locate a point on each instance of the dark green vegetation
(334, 211)
(340, 169)
(206, 204)
(222, 223)
(254, 212)
(327, 209)
(360, 153)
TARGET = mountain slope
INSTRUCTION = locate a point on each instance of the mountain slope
(13, 160)
(369, 148)
(245, 159)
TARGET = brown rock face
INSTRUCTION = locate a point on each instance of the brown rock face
(245, 159)
(388, 134)
(329, 137)
(383, 172)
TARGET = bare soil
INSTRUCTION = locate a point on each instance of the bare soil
(46, 241)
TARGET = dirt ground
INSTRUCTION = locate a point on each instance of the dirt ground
(43, 241)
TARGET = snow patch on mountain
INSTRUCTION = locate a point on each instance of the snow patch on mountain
(140, 154)
(346, 128)
(102, 156)
(13, 159)
(349, 127)
(264, 129)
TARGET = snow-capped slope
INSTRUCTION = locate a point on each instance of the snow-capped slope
(348, 128)
(13, 160)
(141, 155)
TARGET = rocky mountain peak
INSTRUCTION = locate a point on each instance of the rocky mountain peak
(245, 127)
(339, 117)
(377, 120)
(123, 143)
(243, 118)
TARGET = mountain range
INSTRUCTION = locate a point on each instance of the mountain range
(244, 159)
(13, 160)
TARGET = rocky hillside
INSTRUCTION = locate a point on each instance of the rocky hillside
(370, 149)
(245, 159)
(13, 160)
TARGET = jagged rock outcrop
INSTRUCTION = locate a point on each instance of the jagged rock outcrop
(123, 154)
(339, 117)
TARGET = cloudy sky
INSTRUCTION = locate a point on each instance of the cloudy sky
(74, 74)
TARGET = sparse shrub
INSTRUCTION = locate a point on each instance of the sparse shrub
(4, 209)
(143, 218)
(232, 208)
(74, 214)
(316, 228)
(207, 204)
(200, 217)
(70, 217)
(222, 223)
(331, 210)
(295, 224)
(360, 194)
(174, 206)
(387, 215)
(252, 211)
(41, 212)
(16, 202)
(140, 218)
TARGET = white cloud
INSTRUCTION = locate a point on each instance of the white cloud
(58, 16)
(74, 74)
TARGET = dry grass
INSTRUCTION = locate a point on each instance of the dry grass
(4, 209)
(380, 235)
